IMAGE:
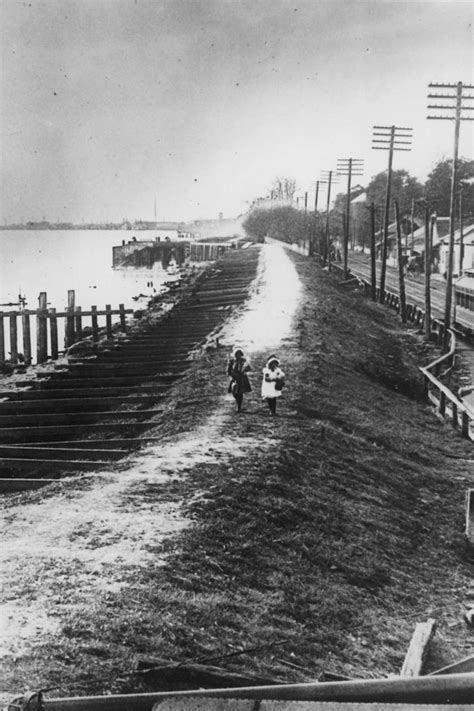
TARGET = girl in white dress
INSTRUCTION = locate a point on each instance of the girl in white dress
(272, 383)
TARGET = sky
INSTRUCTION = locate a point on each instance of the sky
(109, 105)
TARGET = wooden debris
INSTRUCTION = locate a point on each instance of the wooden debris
(413, 664)
(177, 676)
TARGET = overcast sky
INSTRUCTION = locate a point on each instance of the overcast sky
(107, 103)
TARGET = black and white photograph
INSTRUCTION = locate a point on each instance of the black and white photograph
(236, 355)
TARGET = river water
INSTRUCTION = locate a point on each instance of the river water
(56, 261)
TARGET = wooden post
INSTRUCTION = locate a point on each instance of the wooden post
(123, 324)
(70, 336)
(41, 329)
(53, 331)
(455, 414)
(13, 339)
(428, 232)
(372, 253)
(78, 322)
(95, 327)
(383, 268)
(2, 340)
(450, 268)
(25, 321)
(401, 276)
(413, 664)
(108, 320)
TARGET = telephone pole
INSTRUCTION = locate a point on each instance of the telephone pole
(329, 177)
(455, 108)
(349, 167)
(389, 138)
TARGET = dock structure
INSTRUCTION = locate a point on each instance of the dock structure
(90, 411)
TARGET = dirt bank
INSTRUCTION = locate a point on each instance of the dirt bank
(329, 529)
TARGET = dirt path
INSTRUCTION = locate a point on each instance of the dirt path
(78, 537)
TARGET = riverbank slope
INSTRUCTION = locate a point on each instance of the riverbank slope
(320, 536)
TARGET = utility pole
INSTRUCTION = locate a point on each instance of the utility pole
(462, 183)
(390, 141)
(412, 226)
(349, 167)
(401, 276)
(329, 177)
(314, 234)
(455, 110)
(373, 282)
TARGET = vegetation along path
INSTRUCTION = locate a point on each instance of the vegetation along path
(319, 536)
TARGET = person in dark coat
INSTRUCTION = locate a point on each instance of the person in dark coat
(238, 367)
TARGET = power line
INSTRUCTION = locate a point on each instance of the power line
(389, 142)
(349, 167)
(457, 109)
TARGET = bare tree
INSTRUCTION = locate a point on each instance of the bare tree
(283, 188)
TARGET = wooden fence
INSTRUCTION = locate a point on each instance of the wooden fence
(47, 320)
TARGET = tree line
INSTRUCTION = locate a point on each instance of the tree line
(288, 224)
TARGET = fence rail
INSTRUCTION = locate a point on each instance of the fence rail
(47, 323)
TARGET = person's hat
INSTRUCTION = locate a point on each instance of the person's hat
(238, 352)
(273, 359)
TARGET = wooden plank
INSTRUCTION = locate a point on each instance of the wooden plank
(14, 485)
(151, 390)
(418, 648)
(74, 403)
(37, 464)
(60, 452)
(30, 433)
(57, 418)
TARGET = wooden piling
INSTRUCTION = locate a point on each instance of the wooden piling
(108, 320)
(95, 325)
(13, 339)
(123, 325)
(70, 334)
(25, 320)
(42, 329)
(53, 330)
(2, 340)
(78, 322)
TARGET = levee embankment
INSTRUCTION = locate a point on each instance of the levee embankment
(98, 404)
(285, 546)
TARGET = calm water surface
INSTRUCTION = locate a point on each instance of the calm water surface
(56, 261)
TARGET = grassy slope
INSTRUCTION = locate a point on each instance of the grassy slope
(336, 544)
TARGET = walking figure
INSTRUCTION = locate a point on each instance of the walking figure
(273, 383)
(238, 367)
